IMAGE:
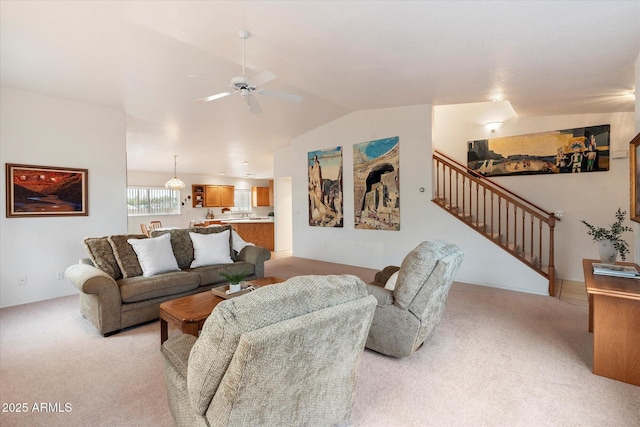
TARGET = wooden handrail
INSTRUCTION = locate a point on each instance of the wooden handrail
(508, 220)
(495, 184)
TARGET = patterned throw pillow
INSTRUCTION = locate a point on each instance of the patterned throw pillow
(125, 255)
(101, 254)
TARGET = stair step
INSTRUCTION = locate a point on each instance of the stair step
(513, 247)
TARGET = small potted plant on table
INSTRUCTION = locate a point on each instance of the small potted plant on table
(235, 280)
(610, 242)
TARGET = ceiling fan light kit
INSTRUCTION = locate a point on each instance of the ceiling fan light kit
(247, 87)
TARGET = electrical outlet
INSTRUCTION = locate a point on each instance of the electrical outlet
(22, 280)
(60, 275)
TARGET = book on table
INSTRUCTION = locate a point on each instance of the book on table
(616, 270)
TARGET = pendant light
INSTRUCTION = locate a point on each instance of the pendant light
(174, 183)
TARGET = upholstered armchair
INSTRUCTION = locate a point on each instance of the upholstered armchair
(282, 355)
(408, 312)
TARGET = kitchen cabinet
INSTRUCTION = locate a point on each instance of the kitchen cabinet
(213, 196)
(261, 196)
(260, 233)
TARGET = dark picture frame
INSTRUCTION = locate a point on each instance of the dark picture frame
(634, 172)
(34, 191)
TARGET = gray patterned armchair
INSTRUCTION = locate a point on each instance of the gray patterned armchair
(408, 314)
(282, 355)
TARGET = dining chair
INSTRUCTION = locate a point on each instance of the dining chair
(144, 229)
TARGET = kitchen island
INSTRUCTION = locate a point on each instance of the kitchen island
(258, 231)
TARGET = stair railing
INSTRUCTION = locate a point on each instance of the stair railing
(517, 225)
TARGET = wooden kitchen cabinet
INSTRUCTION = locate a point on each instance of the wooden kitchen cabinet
(261, 196)
(197, 196)
(213, 196)
(258, 233)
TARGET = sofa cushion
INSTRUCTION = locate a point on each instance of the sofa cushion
(182, 245)
(140, 288)
(210, 275)
(210, 249)
(125, 255)
(155, 255)
(101, 254)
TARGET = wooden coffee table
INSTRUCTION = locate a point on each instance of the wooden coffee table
(189, 313)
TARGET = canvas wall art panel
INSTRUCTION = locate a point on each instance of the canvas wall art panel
(325, 188)
(45, 191)
(563, 151)
(376, 181)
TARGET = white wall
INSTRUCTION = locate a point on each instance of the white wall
(187, 212)
(420, 218)
(594, 197)
(46, 131)
(283, 214)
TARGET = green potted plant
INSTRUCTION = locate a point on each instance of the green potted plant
(235, 280)
(610, 242)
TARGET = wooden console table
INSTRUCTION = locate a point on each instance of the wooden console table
(614, 319)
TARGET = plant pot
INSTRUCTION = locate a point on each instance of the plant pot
(235, 287)
(608, 252)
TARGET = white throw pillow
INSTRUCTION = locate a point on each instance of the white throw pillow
(391, 283)
(237, 242)
(210, 249)
(155, 255)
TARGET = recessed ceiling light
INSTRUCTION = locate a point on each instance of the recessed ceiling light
(245, 163)
(222, 173)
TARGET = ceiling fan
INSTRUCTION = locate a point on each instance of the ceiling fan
(249, 87)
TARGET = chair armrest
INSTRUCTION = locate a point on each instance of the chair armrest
(384, 297)
(176, 352)
(255, 255)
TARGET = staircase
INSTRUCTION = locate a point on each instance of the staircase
(516, 225)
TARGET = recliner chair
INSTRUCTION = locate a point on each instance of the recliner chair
(406, 316)
(282, 355)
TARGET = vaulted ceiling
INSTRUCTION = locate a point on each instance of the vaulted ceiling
(152, 59)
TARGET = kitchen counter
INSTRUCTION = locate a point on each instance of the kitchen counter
(246, 220)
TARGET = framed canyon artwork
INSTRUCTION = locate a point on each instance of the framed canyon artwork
(563, 151)
(376, 184)
(325, 188)
(46, 191)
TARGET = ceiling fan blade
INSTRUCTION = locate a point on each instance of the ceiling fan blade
(262, 78)
(285, 96)
(253, 104)
(212, 97)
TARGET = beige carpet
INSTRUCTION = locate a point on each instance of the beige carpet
(498, 358)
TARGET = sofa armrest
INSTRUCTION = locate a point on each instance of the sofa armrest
(91, 280)
(100, 300)
(255, 255)
(384, 297)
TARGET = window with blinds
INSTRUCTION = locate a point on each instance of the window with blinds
(242, 201)
(152, 201)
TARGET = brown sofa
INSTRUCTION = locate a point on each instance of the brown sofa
(114, 294)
